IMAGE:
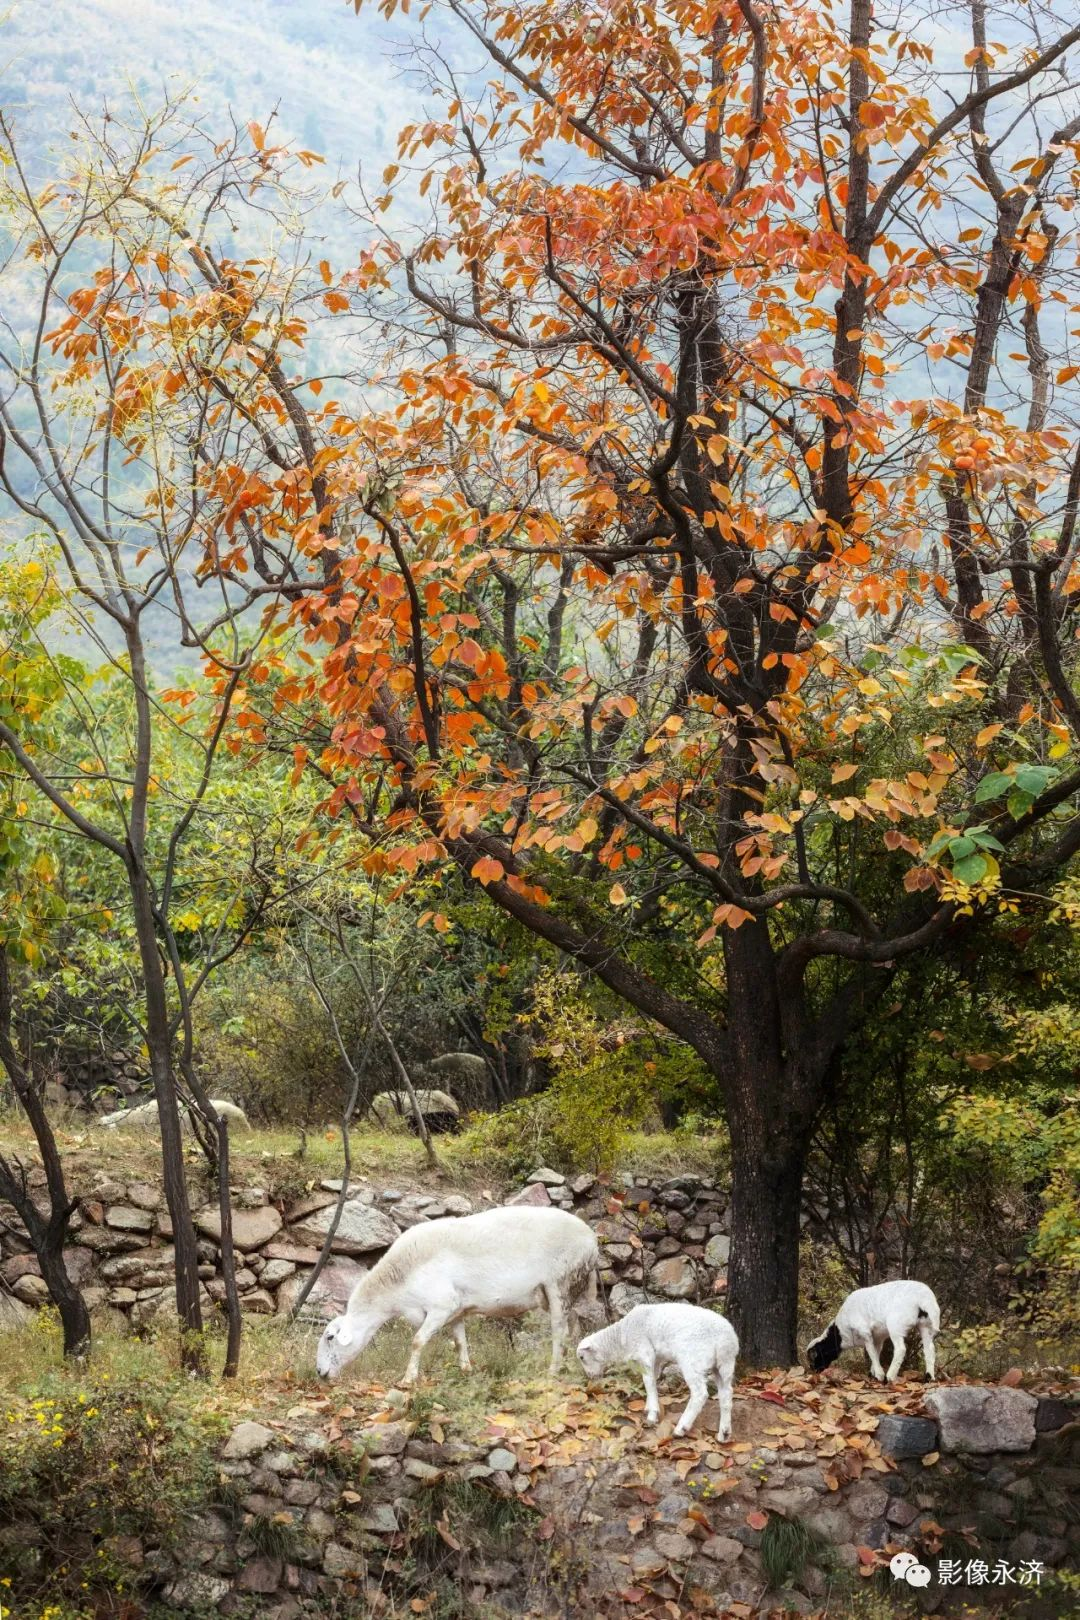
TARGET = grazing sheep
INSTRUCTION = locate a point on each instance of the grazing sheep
(145, 1118)
(869, 1316)
(501, 1262)
(699, 1342)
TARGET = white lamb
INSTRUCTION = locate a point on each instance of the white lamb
(501, 1262)
(869, 1316)
(699, 1342)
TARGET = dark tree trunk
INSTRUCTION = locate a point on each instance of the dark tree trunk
(160, 1044)
(763, 1277)
(773, 1082)
(46, 1235)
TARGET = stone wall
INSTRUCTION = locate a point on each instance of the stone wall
(352, 1499)
(664, 1241)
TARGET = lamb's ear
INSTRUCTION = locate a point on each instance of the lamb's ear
(345, 1333)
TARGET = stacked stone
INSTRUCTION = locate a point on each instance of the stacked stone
(659, 1240)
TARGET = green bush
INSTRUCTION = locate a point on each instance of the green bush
(85, 1464)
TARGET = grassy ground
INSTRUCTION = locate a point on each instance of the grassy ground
(288, 1161)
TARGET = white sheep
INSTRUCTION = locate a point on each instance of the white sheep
(869, 1316)
(700, 1343)
(500, 1262)
(145, 1117)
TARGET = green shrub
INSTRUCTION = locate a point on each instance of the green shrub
(87, 1462)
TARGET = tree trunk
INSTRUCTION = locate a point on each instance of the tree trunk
(46, 1236)
(772, 1084)
(763, 1277)
(159, 1042)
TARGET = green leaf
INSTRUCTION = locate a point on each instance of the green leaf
(1035, 779)
(961, 847)
(971, 868)
(1019, 803)
(992, 786)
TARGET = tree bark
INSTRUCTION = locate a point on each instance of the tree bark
(46, 1235)
(159, 1042)
(763, 1278)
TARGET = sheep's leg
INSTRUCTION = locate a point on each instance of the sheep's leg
(433, 1321)
(458, 1330)
(926, 1334)
(899, 1343)
(557, 1312)
(870, 1345)
(723, 1393)
(699, 1394)
(652, 1394)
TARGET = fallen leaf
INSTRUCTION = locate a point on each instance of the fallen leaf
(443, 1527)
(867, 1555)
(757, 1520)
(930, 1459)
(1012, 1378)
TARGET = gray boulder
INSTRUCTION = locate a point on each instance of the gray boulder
(360, 1230)
(977, 1418)
(901, 1437)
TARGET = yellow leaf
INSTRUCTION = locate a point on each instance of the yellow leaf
(618, 895)
(841, 773)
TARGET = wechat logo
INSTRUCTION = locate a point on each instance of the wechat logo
(906, 1567)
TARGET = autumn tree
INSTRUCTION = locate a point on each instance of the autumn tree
(135, 361)
(707, 592)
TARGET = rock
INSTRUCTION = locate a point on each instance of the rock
(275, 1272)
(722, 1549)
(140, 1268)
(387, 1439)
(251, 1228)
(786, 1599)
(458, 1204)
(674, 1278)
(901, 1513)
(440, 1111)
(380, 1520)
(424, 1473)
(320, 1523)
(901, 1437)
(535, 1193)
(103, 1240)
(582, 1185)
(624, 1297)
(302, 1492)
(830, 1522)
(125, 1218)
(330, 1293)
(247, 1440)
(718, 1250)
(549, 1177)
(292, 1253)
(502, 1460)
(360, 1230)
(674, 1546)
(196, 1591)
(13, 1313)
(867, 1502)
(341, 1561)
(20, 1265)
(1051, 1414)
(977, 1418)
(258, 1302)
(143, 1195)
(308, 1206)
(30, 1289)
(790, 1500)
(261, 1575)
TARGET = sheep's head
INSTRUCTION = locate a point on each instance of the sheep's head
(591, 1355)
(823, 1351)
(342, 1340)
